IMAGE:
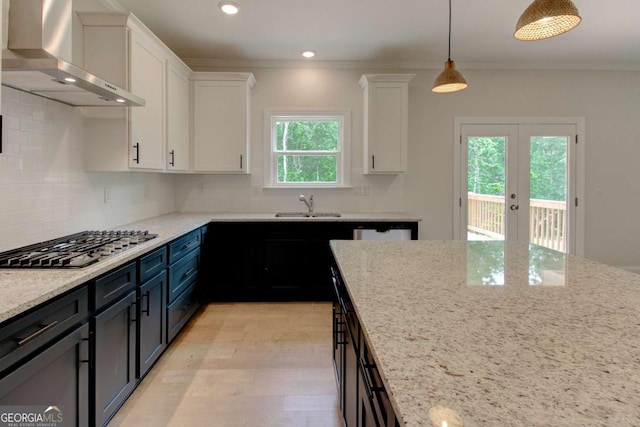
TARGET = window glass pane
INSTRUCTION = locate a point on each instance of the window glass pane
(307, 135)
(307, 168)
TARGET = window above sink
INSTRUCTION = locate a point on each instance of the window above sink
(307, 149)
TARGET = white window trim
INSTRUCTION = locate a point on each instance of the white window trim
(579, 122)
(343, 153)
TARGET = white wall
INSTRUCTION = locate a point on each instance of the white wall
(295, 88)
(44, 191)
(609, 101)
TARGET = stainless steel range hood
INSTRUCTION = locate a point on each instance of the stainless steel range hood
(36, 58)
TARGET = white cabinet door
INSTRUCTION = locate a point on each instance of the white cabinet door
(147, 141)
(386, 113)
(220, 126)
(177, 117)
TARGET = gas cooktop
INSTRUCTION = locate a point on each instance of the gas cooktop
(74, 251)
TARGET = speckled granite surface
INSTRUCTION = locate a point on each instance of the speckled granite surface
(23, 289)
(488, 334)
(345, 217)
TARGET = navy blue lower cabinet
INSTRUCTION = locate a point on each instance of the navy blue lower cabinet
(114, 355)
(152, 325)
(180, 311)
(58, 376)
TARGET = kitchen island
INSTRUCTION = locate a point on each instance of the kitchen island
(488, 333)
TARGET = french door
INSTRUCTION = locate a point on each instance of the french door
(518, 182)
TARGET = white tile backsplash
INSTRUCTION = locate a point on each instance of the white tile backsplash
(44, 190)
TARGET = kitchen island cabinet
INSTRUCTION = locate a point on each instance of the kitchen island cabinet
(495, 333)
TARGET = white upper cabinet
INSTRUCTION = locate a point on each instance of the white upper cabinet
(221, 107)
(121, 48)
(177, 155)
(147, 125)
(386, 119)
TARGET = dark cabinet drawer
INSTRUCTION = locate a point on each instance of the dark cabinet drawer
(182, 274)
(183, 245)
(180, 311)
(58, 376)
(152, 264)
(114, 285)
(23, 336)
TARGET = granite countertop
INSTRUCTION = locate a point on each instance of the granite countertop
(22, 289)
(344, 217)
(494, 334)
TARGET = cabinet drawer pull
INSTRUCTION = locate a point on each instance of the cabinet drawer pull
(373, 161)
(240, 161)
(187, 245)
(173, 158)
(187, 273)
(37, 333)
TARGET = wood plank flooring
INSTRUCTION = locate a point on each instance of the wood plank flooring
(243, 364)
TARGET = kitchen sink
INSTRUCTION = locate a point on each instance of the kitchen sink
(307, 215)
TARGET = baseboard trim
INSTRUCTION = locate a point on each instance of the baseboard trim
(633, 269)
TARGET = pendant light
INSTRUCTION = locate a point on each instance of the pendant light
(449, 80)
(547, 18)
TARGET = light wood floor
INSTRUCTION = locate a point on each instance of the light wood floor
(250, 365)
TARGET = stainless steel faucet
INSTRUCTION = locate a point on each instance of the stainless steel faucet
(309, 203)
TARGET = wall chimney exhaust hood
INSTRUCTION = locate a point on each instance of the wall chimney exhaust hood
(35, 59)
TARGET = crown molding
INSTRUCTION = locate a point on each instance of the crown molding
(206, 64)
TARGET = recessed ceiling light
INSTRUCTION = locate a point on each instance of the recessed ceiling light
(308, 54)
(69, 80)
(229, 7)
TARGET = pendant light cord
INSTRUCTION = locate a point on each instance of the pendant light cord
(449, 53)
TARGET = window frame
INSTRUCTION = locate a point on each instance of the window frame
(343, 160)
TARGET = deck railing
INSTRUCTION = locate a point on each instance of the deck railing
(547, 220)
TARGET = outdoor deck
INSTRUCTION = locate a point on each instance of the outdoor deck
(547, 219)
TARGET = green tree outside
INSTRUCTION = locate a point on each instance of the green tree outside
(307, 136)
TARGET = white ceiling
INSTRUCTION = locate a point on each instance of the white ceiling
(390, 32)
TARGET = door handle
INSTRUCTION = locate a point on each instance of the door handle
(514, 207)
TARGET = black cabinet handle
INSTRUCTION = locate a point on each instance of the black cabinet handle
(373, 161)
(88, 359)
(136, 146)
(173, 158)
(133, 318)
(240, 161)
(37, 333)
(147, 296)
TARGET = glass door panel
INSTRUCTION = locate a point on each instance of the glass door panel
(549, 184)
(516, 183)
(486, 183)
(485, 156)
